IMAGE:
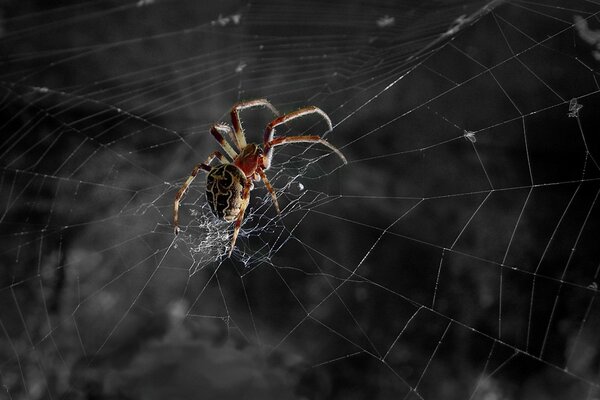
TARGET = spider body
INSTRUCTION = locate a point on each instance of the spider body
(228, 185)
(249, 160)
(224, 188)
(225, 182)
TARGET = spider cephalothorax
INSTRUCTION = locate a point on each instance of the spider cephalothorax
(228, 185)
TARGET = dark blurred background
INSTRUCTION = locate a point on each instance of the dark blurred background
(454, 257)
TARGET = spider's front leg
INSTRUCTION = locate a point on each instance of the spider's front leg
(270, 130)
(297, 139)
(205, 166)
(237, 123)
(240, 216)
(217, 131)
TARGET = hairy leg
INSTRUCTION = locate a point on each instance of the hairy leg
(240, 217)
(217, 131)
(237, 123)
(263, 176)
(296, 139)
(270, 130)
(205, 166)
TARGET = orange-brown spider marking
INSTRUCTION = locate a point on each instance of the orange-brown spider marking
(228, 185)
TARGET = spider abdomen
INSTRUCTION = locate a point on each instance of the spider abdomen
(224, 187)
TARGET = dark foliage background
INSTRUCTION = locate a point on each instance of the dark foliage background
(455, 256)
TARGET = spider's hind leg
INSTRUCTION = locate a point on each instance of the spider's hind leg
(263, 176)
(205, 166)
(240, 216)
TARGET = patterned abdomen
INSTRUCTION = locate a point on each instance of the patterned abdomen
(224, 187)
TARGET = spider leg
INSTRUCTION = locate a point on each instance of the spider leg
(217, 132)
(295, 139)
(226, 129)
(263, 176)
(205, 166)
(270, 130)
(237, 123)
(240, 216)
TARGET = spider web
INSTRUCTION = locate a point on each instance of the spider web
(454, 256)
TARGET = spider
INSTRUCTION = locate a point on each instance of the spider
(228, 184)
